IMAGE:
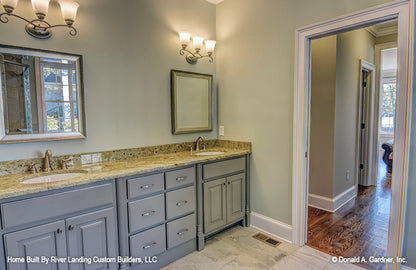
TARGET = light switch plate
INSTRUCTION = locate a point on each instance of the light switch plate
(222, 131)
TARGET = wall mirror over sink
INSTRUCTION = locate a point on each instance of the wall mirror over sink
(41, 95)
(191, 100)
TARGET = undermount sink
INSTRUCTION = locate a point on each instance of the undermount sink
(208, 153)
(53, 177)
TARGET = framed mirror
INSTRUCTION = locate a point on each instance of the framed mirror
(191, 101)
(41, 95)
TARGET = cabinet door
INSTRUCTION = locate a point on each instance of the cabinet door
(46, 240)
(214, 204)
(236, 197)
(92, 234)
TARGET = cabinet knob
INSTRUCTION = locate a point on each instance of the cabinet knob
(181, 178)
(181, 203)
(59, 230)
(148, 213)
(229, 182)
(151, 245)
(70, 227)
(183, 232)
(225, 184)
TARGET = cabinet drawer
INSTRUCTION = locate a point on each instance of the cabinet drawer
(223, 167)
(148, 243)
(180, 177)
(181, 231)
(146, 212)
(63, 203)
(144, 185)
(180, 202)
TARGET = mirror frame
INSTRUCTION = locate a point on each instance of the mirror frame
(81, 97)
(174, 91)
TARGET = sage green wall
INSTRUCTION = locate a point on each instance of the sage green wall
(129, 49)
(323, 83)
(351, 48)
(255, 70)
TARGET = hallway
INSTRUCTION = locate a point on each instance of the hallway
(360, 227)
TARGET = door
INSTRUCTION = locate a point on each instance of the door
(92, 234)
(46, 240)
(364, 125)
(215, 207)
(236, 197)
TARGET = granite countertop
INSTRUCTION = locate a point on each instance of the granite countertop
(11, 186)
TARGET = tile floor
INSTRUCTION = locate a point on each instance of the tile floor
(237, 249)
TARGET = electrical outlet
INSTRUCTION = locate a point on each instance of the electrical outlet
(222, 131)
(347, 175)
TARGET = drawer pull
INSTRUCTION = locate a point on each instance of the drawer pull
(150, 245)
(59, 231)
(148, 213)
(181, 178)
(181, 203)
(183, 232)
(147, 186)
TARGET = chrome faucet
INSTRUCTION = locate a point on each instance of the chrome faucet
(47, 165)
(198, 140)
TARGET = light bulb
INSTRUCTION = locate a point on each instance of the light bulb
(69, 10)
(210, 46)
(9, 5)
(184, 38)
(197, 43)
(41, 8)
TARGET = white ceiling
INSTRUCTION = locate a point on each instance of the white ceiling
(214, 1)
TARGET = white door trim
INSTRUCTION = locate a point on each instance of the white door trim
(403, 10)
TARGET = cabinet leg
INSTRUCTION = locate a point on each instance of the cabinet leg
(247, 220)
(201, 241)
(124, 266)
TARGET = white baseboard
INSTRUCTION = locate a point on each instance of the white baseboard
(274, 228)
(403, 267)
(332, 204)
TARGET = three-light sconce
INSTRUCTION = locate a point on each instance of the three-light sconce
(39, 27)
(193, 57)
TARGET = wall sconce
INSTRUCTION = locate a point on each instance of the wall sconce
(193, 57)
(39, 28)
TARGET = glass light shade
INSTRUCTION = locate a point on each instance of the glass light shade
(9, 5)
(40, 7)
(210, 45)
(197, 42)
(69, 10)
(184, 38)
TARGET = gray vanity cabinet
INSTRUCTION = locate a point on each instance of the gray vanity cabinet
(70, 223)
(92, 234)
(157, 217)
(236, 197)
(44, 240)
(224, 201)
(215, 204)
(223, 197)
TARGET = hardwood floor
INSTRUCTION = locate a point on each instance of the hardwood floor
(359, 228)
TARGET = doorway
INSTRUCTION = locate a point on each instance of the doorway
(402, 10)
(347, 215)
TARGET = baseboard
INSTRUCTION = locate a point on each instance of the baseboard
(332, 204)
(272, 227)
(403, 267)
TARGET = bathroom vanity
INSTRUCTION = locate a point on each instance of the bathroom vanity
(157, 208)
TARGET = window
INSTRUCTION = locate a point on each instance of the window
(59, 95)
(388, 101)
(387, 91)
